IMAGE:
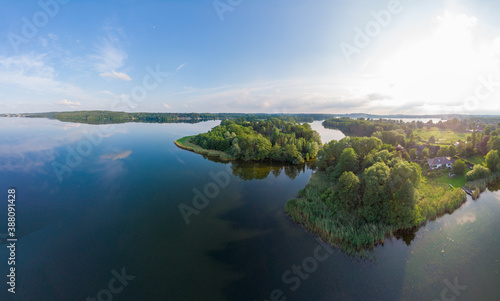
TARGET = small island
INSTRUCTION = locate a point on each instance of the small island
(384, 179)
(251, 139)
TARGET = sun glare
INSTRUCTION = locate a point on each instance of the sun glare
(439, 67)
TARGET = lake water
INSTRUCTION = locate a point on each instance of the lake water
(116, 206)
(327, 135)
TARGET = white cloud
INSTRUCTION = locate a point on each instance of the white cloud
(117, 75)
(69, 103)
(287, 96)
(180, 67)
(109, 54)
(33, 73)
(166, 106)
(117, 156)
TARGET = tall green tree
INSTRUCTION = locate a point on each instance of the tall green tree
(493, 161)
(494, 143)
(374, 195)
(347, 192)
(401, 187)
(459, 167)
(348, 162)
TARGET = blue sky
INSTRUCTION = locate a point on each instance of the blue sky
(389, 57)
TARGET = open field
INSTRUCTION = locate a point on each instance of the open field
(447, 136)
(457, 182)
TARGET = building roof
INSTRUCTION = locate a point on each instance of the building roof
(440, 161)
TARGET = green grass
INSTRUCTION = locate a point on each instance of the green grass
(437, 198)
(457, 182)
(479, 186)
(477, 160)
(446, 137)
(185, 143)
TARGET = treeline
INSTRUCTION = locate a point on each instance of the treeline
(360, 127)
(122, 117)
(254, 140)
(483, 134)
(366, 127)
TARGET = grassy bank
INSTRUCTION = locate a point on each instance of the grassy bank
(479, 186)
(350, 232)
(437, 199)
(185, 143)
(346, 232)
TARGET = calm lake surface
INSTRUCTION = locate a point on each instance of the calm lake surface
(116, 205)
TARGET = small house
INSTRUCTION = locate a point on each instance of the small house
(440, 162)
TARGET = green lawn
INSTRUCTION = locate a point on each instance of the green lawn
(457, 181)
(441, 136)
(477, 159)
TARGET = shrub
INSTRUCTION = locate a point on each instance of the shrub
(479, 172)
(459, 167)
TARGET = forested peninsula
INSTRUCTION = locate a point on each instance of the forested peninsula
(380, 181)
(273, 139)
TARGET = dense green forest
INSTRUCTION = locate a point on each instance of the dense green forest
(371, 182)
(272, 139)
